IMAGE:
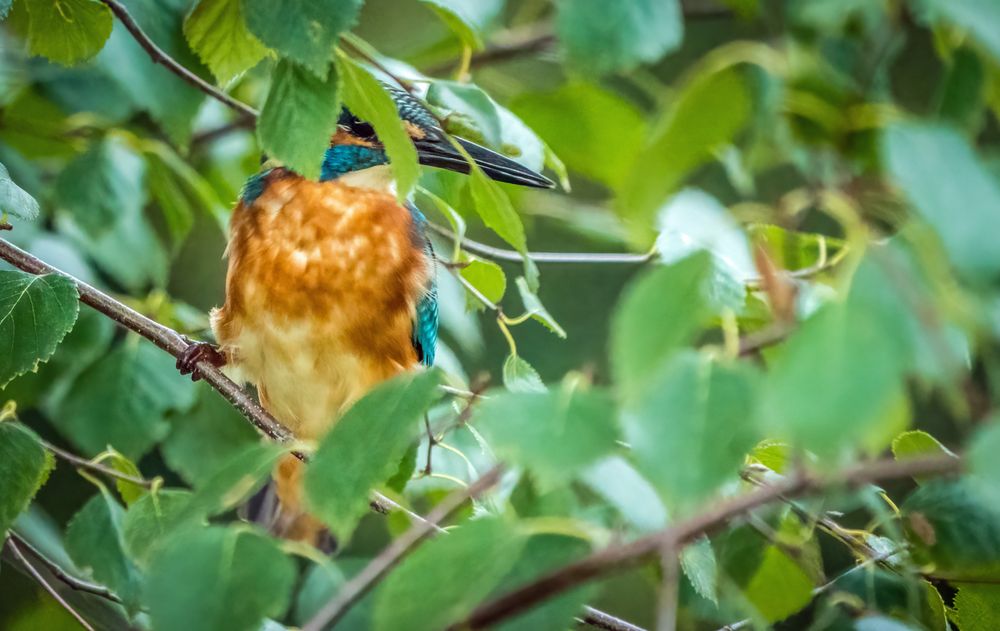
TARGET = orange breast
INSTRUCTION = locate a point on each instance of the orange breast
(322, 286)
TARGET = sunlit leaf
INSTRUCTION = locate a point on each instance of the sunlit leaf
(488, 278)
(216, 30)
(520, 376)
(467, 18)
(36, 313)
(68, 31)
(978, 607)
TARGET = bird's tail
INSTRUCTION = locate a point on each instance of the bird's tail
(291, 519)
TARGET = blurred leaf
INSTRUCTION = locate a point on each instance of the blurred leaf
(488, 278)
(534, 306)
(121, 400)
(369, 101)
(444, 579)
(984, 466)
(639, 341)
(963, 92)
(553, 433)
(304, 31)
(772, 582)
(24, 468)
(232, 578)
(944, 180)
(706, 115)
(978, 607)
(700, 567)
(689, 429)
(469, 101)
(520, 376)
(299, 117)
(773, 454)
(617, 481)
(14, 199)
(68, 31)
(5, 8)
(170, 100)
(540, 555)
(952, 530)
(881, 623)
(496, 211)
(205, 437)
(95, 542)
(36, 313)
(364, 448)
(234, 481)
(129, 491)
(150, 520)
(216, 30)
(467, 18)
(980, 17)
(595, 131)
(601, 37)
(917, 443)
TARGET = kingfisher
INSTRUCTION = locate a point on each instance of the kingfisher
(330, 287)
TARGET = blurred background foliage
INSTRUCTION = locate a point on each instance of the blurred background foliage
(837, 160)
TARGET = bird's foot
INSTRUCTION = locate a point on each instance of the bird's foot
(196, 352)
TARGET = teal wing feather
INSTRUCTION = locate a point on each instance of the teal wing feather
(425, 320)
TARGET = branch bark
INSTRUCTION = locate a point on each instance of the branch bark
(715, 517)
(15, 550)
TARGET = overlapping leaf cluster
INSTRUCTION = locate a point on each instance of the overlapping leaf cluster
(816, 182)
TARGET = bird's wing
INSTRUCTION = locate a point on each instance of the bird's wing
(425, 320)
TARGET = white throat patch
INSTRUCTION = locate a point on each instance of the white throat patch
(378, 178)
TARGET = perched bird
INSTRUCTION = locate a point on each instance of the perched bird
(330, 287)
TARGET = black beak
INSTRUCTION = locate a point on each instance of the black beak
(438, 152)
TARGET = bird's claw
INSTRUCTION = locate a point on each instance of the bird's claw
(196, 352)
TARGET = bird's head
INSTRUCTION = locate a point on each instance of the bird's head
(355, 147)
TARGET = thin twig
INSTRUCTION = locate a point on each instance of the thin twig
(714, 517)
(71, 581)
(669, 598)
(83, 463)
(160, 57)
(601, 620)
(16, 551)
(338, 606)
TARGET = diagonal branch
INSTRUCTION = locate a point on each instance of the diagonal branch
(70, 580)
(158, 56)
(714, 517)
(15, 549)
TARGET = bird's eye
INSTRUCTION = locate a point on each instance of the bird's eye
(363, 130)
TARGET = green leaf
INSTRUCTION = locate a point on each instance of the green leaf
(234, 481)
(617, 481)
(978, 607)
(983, 462)
(68, 31)
(981, 18)
(496, 211)
(15, 200)
(36, 313)
(601, 37)
(963, 94)
(150, 520)
(771, 582)
(468, 101)
(444, 579)
(24, 468)
(95, 542)
(299, 116)
(170, 100)
(917, 443)
(121, 400)
(596, 132)
(690, 430)
(952, 530)
(520, 376)
(368, 100)
(534, 306)
(488, 278)
(230, 578)
(943, 179)
(5, 8)
(542, 554)
(467, 18)
(216, 31)
(129, 491)
(701, 569)
(304, 31)
(555, 433)
(202, 439)
(705, 116)
(639, 341)
(364, 448)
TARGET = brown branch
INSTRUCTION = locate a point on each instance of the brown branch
(83, 463)
(601, 620)
(714, 517)
(71, 581)
(158, 56)
(338, 606)
(15, 549)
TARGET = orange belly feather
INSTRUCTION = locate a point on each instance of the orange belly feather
(323, 283)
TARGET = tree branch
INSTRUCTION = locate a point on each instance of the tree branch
(83, 463)
(338, 606)
(35, 574)
(160, 57)
(711, 520)
(70, 580)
